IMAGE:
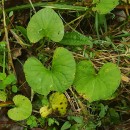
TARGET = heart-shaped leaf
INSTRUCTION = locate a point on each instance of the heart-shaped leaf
(45, 23)
(59, 78)
(94, 86)
(22, 110)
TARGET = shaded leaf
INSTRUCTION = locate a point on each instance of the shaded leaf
(77, 119)
(66, 125)
(76, 39)
(23, 31)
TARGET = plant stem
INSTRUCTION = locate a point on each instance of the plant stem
(83, 108)
(4, 61)
(62, 6)
(32, 6)
(97, 25)
(10, 62)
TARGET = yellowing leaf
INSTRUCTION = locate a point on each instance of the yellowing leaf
(59, 102)
(45, 111)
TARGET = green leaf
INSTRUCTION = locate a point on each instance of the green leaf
(95, 1)
(32, 121)
(105, 6)
(58, 102)
(2, 46)
(114, 116)
(51, 121)
(66, 125)
(2, 76)
(22, 110)
(23, 31)
(94, 86)
(76, 127)
(103, 110)
(45, 23)
(3, 96)
(59, 78)
(11, 14)
(14, 89)
(77, 119)
(2, 86)
(75, 38)
(10, 79)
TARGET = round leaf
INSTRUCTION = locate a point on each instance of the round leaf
(59, 78)
(45, 23)
(22, 110)
(94, 86)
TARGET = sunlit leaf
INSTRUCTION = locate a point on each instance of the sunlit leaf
(99, 86)
(45, 111)
(105, 6)
(59, 78)
(22, 110)
(45, 23)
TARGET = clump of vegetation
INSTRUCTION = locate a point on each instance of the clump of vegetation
(65, 67)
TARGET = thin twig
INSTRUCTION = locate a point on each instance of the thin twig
(32, 6)
(54, 5)
(10, 62)
(121, 55)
